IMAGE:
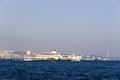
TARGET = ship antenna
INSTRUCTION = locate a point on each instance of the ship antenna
(73, 51)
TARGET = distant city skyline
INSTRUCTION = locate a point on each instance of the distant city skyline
(88, 26)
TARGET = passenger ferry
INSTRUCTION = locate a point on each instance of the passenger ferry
(51, 56)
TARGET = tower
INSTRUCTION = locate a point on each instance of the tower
(107, 55)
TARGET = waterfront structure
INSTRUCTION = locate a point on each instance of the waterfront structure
(6, 54)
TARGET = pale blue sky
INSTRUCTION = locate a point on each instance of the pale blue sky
(88, 26)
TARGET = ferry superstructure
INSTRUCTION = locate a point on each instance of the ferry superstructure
(54, 55)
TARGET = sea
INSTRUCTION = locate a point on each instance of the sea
(59, 70)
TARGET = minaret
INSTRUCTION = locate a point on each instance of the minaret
(107, 55)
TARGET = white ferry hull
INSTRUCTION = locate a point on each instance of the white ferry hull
(51, 56)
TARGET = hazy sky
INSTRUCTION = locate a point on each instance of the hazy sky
(88, 26)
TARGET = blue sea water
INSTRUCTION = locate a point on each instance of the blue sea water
(54, 70)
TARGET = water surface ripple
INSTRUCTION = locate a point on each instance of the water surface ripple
(54, 70)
